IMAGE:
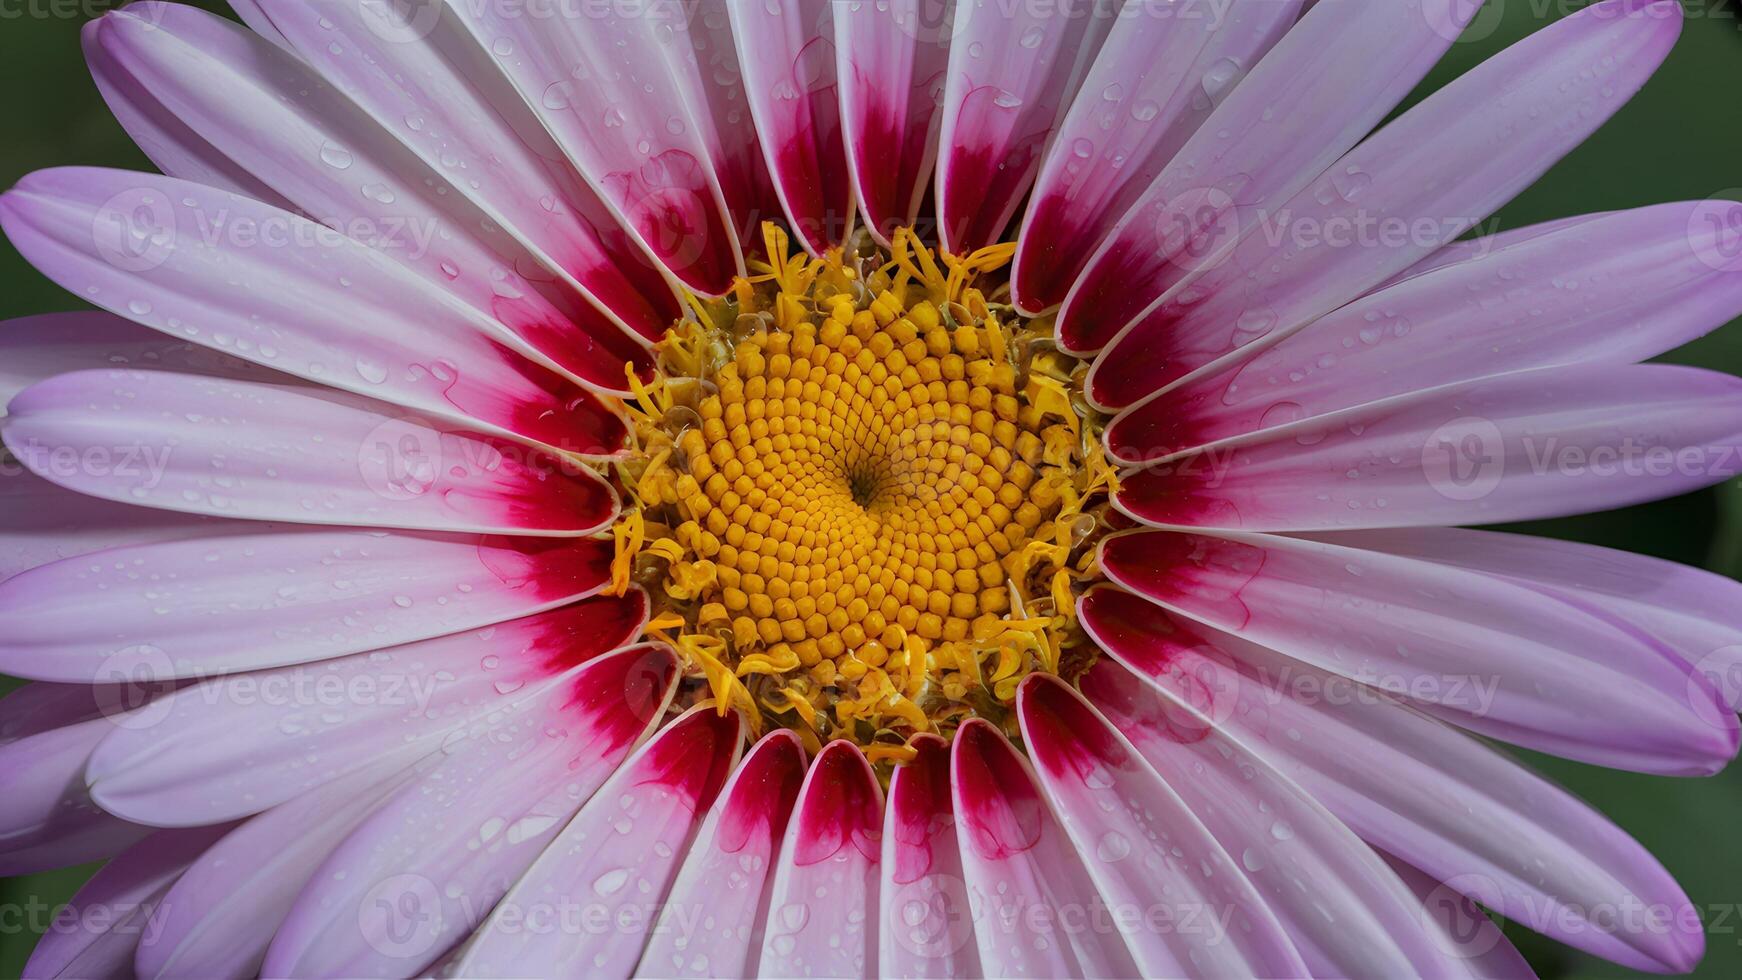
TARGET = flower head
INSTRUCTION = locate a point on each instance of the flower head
(554, 494)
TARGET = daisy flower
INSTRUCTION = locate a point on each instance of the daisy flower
(897, 487)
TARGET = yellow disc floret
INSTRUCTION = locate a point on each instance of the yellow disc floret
(864, 503)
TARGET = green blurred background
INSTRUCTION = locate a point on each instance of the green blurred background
(1678, 140)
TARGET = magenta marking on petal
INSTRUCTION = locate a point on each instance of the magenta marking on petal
(594, 349)
(1104, 301)
(841, 808)
(621, 695)
(577, 633)
(1210, 572)
(1064, 734)
(670, 204)
(998, 803)
(920, 810)
(765, 793)
(672, 761)
(551, 567)
(986, 172)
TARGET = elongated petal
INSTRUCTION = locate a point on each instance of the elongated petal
(218, 917)
(234, 745)
(1146, 850)
(1485, 653)
(49, 820)
(822, 903)
(294, 454)
(787, 54)
(926, 928)
(419, 71)
(1013, 71)
(1165, 67)
(711, 924)
(36, 348)
(281, 122)
(1617, 288)
(1353, 917)
(1029, 890)
(1466, 931)
(253, 13)
(247, 601)
(280, 290)
(602, 81)
(1484, 245)
(714, 82)
(1271, 137)
(42, 523)
(1415, 787)
(1690, 610)
(891, 60)
(414, 876)
(616, 857)
(1514, 447)
(1419, 183)
(114, 909)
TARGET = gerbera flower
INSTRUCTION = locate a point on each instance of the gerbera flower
(552, 495)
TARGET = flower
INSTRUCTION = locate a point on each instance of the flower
(514, 519)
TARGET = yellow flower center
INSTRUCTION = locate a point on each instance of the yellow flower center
(866, 495)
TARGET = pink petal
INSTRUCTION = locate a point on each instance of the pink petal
(1689, 610)
(615, 859)
(218, 917)
(727, 870)
(1166, 65)
(890, 61)
(1513, 447)
(1146, 850)
(822, 904)
(1414, 786)
(1323, 88)
(36, 348)
(247, 601)
(1356, 918)
(271, 114)
(1617, 289)
(926, 928)
(787, 52)
(1026, 883)
(1013, 71)
(292, 453)
(1482, 246)
(1419, 183)
(1482, 652)
(602, 81)
(49, 731)
(41, 523)
(1466, 931)
(102, 925)
(436, 87)
(253, 13)
(230, 746)
(194, 263)
(713, 83)
(416, 874)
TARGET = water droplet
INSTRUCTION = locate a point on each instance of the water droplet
(335, 156)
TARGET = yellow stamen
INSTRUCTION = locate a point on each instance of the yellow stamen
(866, 495)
